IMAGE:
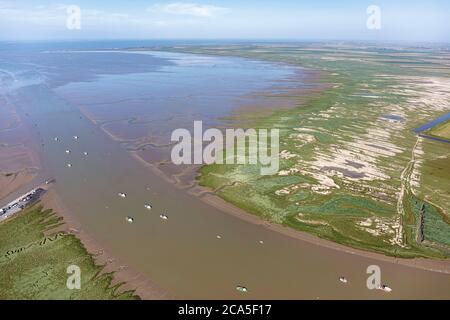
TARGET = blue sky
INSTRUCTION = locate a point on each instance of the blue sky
(413, 20)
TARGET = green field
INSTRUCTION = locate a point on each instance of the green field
(34, 261)
(354, 161)
(441, 131)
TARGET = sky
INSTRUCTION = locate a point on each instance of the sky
(386, 20)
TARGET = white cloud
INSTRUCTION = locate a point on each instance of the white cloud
(190, 9)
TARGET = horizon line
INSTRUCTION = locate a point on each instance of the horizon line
(232, 39)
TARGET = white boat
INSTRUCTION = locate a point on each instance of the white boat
(148, 206)
(67, 151)
(219, 236)
(56, 139)
(343, 279)
(69, 165)
(163, 216)
(129, 219)
(385, 288)
(85, 153)
(241, 289)
(122, 195)
(261, 242)
(75, 137)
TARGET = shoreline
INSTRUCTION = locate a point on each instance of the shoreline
(432, 265)
(127, 276)
(207, 195)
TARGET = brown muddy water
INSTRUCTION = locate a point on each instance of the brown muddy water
(182, 254)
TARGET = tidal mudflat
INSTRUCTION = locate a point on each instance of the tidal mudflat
(199, 250)
(141, 110)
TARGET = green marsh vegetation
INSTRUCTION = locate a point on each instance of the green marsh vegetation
(34, 261)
